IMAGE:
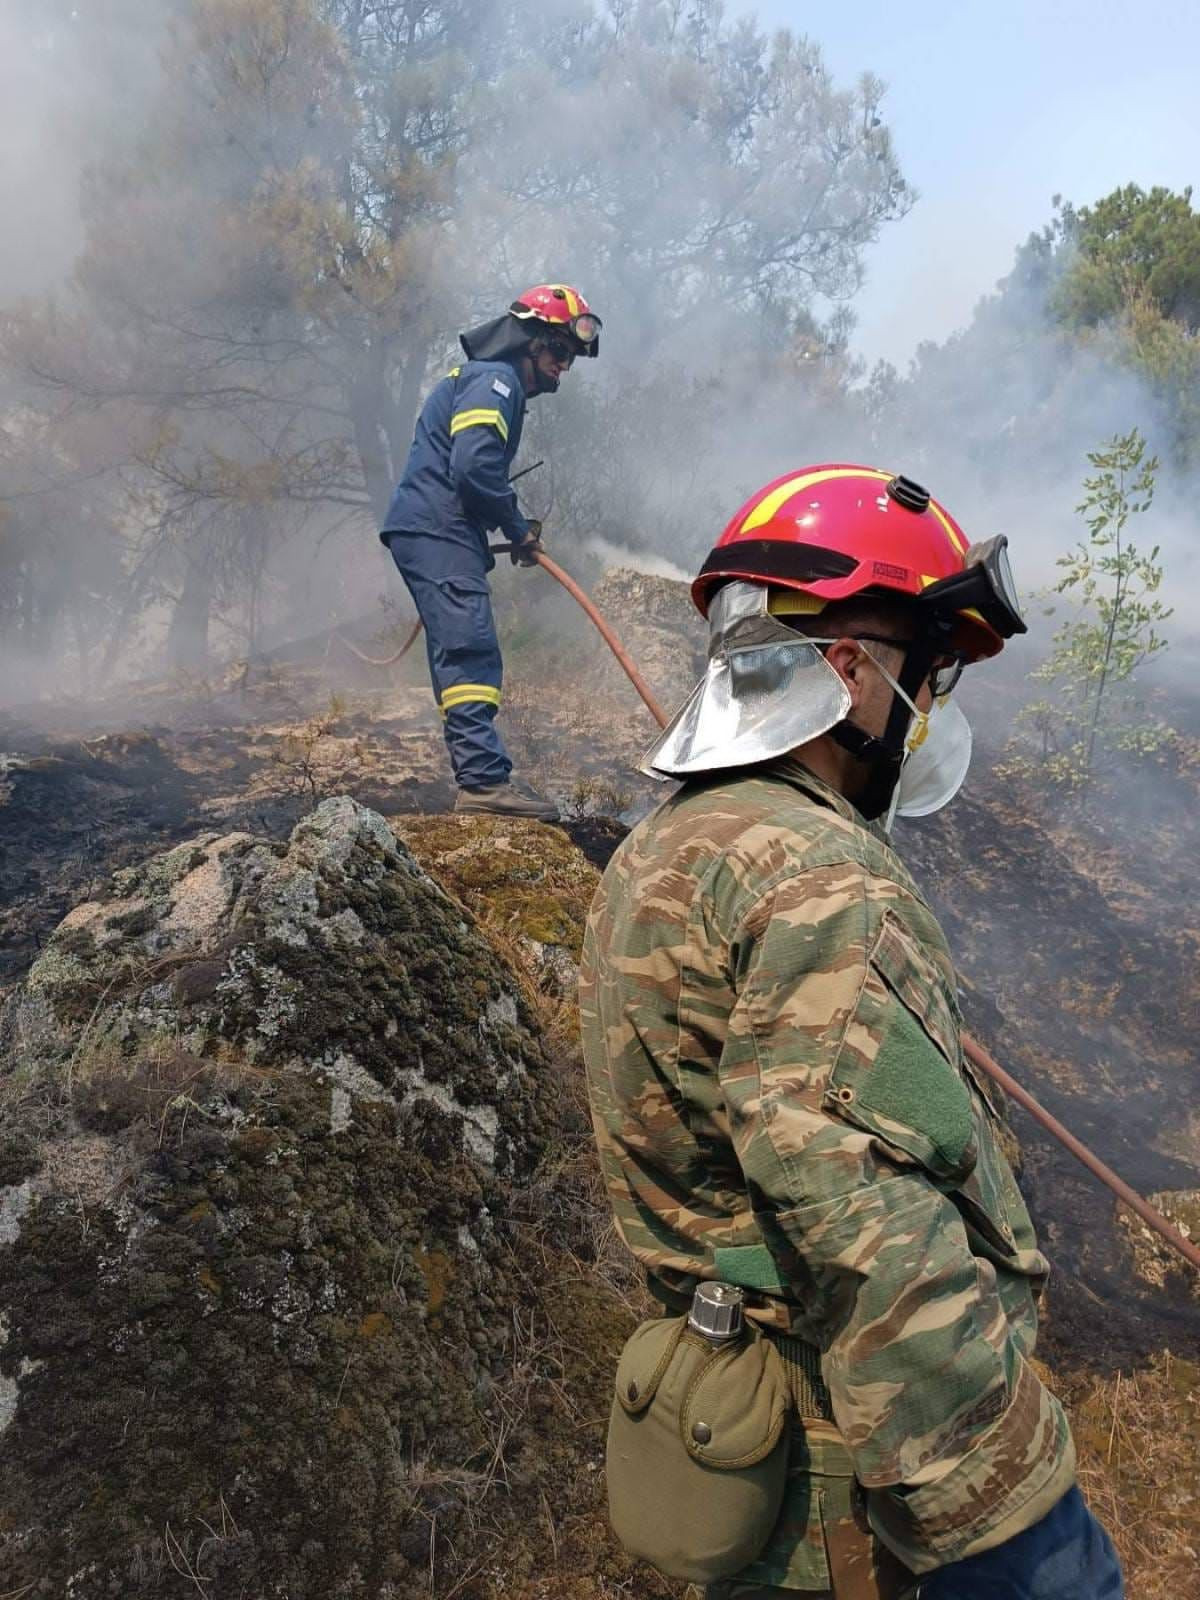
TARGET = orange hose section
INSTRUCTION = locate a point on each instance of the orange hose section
(384, 661)
(610, 638)
(1152, 1218)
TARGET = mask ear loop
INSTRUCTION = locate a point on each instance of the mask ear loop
(918, 732)
(896, 741)
(918, 725)
(899, 739)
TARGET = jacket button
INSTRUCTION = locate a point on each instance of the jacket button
(701, 1432)
(633, 1391)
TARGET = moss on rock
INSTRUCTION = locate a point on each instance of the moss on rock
(525, 883)
(263, 1348)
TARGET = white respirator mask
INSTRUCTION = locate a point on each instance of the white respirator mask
(937, 754)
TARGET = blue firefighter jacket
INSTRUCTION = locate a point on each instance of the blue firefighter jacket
(455, 484)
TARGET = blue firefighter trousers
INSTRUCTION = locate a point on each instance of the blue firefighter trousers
(1065, 1556)
(450, 590)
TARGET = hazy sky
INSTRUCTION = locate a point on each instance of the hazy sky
(995, 108)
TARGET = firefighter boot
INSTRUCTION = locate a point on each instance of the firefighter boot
(512, 799)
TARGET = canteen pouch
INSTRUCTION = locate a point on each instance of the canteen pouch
(697, 1449)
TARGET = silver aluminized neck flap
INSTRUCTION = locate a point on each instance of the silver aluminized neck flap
(766, 690)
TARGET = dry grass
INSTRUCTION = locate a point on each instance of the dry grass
(311, 761)
(1138, 1438)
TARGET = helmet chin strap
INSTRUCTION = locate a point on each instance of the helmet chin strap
(542, 384)
(884, 754)
(883, 767)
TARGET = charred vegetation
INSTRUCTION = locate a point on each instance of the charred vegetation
(252, 1070)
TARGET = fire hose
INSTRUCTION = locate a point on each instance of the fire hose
(384, 661)
(982, 1059)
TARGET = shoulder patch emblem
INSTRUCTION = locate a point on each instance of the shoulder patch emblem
(501, 387)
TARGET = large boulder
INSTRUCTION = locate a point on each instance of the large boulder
(266, 1111)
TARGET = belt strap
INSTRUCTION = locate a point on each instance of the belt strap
(753, 1267)
(803, 1364)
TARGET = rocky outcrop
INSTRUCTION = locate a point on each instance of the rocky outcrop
(1155, 1261)
(660, 627)
(74, 810)
(271, 1115)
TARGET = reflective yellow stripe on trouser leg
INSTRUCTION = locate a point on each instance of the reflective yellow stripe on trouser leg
(462, 694)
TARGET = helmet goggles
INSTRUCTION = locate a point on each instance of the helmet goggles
(566, 340)
(586, 327)
(985, 586)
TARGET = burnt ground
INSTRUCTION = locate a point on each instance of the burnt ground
(1073, 924)
(74, 810)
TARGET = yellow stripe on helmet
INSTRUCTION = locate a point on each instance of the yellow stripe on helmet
(956, 539)
(480, 418)
(572, 298)
(791, 603)
(766, 509)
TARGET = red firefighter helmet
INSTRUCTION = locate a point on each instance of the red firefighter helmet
(562, 307)
(838, 530)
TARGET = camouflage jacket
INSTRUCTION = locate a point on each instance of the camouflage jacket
(772, 1038)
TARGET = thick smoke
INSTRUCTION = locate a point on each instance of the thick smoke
(74, 79)
(261, 224)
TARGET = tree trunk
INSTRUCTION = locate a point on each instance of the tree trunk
(383, 421)
(187, 632)
(402, 412)
(368, 399)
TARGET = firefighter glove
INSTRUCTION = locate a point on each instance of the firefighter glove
(525, 553)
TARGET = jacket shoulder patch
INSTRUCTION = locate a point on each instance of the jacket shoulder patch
(499, 385)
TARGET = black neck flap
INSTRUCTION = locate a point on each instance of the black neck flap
(505, 338)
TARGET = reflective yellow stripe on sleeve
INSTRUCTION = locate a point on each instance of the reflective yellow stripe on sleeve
(480, 418)
(461, 694)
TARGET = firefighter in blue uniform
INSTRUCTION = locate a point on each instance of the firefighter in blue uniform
(454, 491)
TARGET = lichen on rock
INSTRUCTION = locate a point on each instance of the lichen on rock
(253, 1103)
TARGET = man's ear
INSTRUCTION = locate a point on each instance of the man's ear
(849, 661)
